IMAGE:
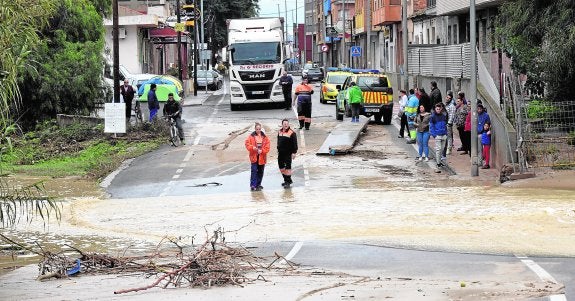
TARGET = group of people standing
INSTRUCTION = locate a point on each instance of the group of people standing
(258, 146)
(424, 116)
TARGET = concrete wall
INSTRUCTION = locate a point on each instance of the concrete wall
(65, 120)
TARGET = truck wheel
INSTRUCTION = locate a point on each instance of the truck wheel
(234, 107)
(387, 114)
(338, 115)
(377, 118)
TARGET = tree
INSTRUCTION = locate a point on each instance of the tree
(19, 25)
(540, 37)
(19, 22)
(217, 12)
(67, 77)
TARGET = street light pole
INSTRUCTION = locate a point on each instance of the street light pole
(473, 92)
(368, 31)
(343, 52)
(404, 37)
(116, 50)
(179, 41)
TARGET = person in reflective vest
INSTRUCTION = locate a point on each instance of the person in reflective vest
(287, 148)
(258, 146)
(303, 94)
(411, 112)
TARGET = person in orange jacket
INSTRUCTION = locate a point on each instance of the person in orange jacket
(258, 146)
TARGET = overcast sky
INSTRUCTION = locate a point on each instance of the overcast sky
(269, 8)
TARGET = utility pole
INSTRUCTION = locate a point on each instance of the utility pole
(343, 50)
(368, 31)
(404, 38)
(313, 29)
(304, 32)
(285, 21)
(116, 50)
(473, 88)
(179, 41)
(203, 37)
(195, 49)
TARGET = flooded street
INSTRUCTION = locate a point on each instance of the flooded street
(375, 196)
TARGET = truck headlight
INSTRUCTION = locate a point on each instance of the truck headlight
(236, 89)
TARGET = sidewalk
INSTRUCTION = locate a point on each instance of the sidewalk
(457, 164)
(198, 100)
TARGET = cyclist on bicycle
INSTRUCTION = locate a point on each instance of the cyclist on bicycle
(173, 109)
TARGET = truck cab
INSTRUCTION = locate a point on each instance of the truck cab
(255, 56)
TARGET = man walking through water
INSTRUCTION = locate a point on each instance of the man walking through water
(303, 94)
(286, 81)
(287, 148)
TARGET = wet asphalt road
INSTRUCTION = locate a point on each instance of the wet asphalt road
(214, 163)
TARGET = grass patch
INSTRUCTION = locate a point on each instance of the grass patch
(78, 150)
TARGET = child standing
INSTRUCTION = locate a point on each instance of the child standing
(421, 123)
(486, 144)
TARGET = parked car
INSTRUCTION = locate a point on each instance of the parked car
(209, 79)
(334, 77)
(315, 74)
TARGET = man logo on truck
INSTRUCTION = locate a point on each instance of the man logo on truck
(256, 76)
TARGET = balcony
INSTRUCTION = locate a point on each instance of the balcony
(389, 13)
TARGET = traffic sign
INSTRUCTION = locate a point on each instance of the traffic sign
(297, 54)
(324, 47)
(355, 51)
(180, 27)
(331, 32)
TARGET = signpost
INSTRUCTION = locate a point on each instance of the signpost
(114, 117)
(331, 32)
(324, 47)
(355, 51)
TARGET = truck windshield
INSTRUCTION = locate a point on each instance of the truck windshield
(256, 53)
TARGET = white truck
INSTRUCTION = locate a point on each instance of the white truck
(256, 60)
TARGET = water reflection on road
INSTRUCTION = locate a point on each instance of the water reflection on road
(472, 219)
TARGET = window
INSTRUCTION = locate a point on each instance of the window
(449, 40)
(430, 3)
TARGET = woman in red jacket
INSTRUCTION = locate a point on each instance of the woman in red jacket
(258, 146)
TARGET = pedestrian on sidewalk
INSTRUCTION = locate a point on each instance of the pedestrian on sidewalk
(302, 96)
(153, 103)
(128, 93)
(286, 82)
(435, 94)
(486, 144)
(287, 148)
(355, 97)
(425, 100)
(467, 131)
(482, 118)
(450, 109)
(258, 146)
(411, 112)
(401, 114)
(438, 130)
(422, 124)
(459, 121)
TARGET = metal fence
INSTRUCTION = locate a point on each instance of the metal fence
(545, 129)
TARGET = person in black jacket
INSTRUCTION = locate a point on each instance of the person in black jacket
(287, 148)
(128, 93)
(173, 109)
(286, 81)
(425, 100)
(435, 94)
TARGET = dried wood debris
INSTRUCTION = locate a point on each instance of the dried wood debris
(213, 263)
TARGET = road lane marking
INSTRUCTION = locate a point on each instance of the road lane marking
(304, 164)
(543, 275)
(292, 252)
(179, 170)
(175, 176)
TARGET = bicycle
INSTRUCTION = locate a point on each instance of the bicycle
(174, 137)
(138, 112)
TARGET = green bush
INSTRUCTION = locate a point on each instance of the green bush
(539, 108)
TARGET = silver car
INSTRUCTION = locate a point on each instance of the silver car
(209, 79)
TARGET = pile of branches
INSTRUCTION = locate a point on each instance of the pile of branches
(213, 263)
